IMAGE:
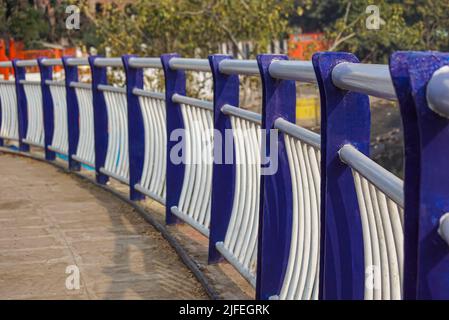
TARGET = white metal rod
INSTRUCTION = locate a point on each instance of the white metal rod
(27, 63)
(105, 87)
(242, 113)
(175, 210)
(78, 62)
(193, 102)
(387, 182)
(443, 229)
(438, 92)
(55, 83)
(81, 85)
(150, 94)
(108, 62)
(232, 260)
(32, 82)
(298, 132)
(52, 62)
(244, 67)
(293, 70)
(371, 79)
(145, 63)
(5, 64)
(190, 64)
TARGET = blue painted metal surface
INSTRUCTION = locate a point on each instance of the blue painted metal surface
(433, 252)
(46, 73)
(100, 119)
(401, 81)
(73, 131)
(276, 204)
(175, 82)
(345, 118)
(226, 91)
(136, 131)
(22, 111)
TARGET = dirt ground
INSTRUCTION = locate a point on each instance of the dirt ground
(51, 221)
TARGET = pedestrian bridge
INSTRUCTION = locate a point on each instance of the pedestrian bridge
(298, 215)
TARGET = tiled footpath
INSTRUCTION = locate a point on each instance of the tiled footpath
(52, 223)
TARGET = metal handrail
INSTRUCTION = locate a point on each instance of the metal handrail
(27, 63)
(298, 132)
(55, 83)
(189, 64)
(438, 92)
(177, 98)
(52, 62)
(243, 67)
(150, 94)
(138, 62)
(80, 85)
(383, 179)
(108, 62)
(293, 70)
(242, 113)
(77, 62)
(32, 82)
(6, 64)
(371, 79)
(105, 87)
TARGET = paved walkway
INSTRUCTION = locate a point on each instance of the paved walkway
(50, 220)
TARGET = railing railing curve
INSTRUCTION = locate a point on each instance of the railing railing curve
(300, 215)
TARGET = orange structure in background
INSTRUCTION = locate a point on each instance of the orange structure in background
(301, 46)
(17, 51)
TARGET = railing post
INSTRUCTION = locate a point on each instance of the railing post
(71, 75)
(345, 118)
(46, 73)
(136, 131)
(226, 91)
(399, 70)
(175, 82)
(433, 176)
(276, 204)
(99, 76)
(22, 111)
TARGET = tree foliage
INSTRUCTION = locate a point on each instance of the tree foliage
(192, 26)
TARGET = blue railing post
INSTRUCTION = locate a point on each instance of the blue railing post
(276, 203)
(433, 251)
(226, 91)
(46, 73)
(99, 76)
(401, 81)
(175, 82)
(136, 130)
(345, 119)
(71, 75)
(22, 111)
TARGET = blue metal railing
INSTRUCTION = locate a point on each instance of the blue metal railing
(300, 215)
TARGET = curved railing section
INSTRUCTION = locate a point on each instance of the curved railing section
(117, 164)
(195, 117)
(300, 215)
(240, 243)
(60, 142)
(8, 104)
(152, 106)
(194, 201)
(35, 130)
(380, 199)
